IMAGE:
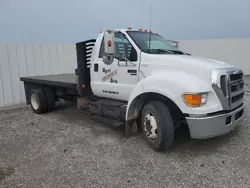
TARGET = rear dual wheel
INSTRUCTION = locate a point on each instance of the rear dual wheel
(41, 100)
(157, 125)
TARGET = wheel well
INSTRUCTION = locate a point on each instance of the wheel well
(138, 103)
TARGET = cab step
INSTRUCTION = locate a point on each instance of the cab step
(107, 121)
(112, 109)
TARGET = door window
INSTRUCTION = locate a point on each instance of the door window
(123, 48)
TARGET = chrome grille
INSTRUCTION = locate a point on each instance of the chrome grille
(228, 84)
(236, 89)
(224, 85)
(237, 76)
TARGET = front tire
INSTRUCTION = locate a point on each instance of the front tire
(157, 125)
(38, 101)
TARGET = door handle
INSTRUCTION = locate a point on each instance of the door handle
(132, 71)
(96, 67)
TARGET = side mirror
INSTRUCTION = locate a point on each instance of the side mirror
(109, 47)
(108, 60)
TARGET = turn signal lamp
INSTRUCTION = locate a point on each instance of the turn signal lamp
(195, 100)
(109, 43)
(129, 28)
(139, 29)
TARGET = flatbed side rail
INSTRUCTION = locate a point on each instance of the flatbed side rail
(48, 82)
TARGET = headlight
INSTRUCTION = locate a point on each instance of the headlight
(195, 100)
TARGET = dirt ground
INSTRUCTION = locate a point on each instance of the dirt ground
(67, 148)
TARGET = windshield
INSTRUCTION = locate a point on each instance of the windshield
(152, 43)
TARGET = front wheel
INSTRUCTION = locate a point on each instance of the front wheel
(157, 125)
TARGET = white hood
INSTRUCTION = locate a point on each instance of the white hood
(198, 67)
(183, 61)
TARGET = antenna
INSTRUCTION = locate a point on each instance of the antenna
(150, 24)
(150, 16)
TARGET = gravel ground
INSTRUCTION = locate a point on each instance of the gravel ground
(67, 148)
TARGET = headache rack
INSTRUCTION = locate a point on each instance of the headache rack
(83, 53)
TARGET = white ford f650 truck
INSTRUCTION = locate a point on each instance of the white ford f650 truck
(139, 79)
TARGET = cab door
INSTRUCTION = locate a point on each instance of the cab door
(117, 80)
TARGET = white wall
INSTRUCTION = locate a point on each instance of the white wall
(232, 51)
(30, 60)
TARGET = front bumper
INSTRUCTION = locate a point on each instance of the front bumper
(212, 126)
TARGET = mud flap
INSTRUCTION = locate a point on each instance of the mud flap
(131, 128)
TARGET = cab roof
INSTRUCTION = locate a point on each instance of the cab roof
(124, 30)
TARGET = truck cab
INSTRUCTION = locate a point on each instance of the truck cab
(208, 93)
(140, 78)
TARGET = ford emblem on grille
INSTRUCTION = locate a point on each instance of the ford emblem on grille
(238, 87)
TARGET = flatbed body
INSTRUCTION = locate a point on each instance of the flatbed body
(57, 80)
(62, 85)
(75, 84)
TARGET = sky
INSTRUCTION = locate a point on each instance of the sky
(71, 21)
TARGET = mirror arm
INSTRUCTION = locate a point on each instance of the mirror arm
(128, 61)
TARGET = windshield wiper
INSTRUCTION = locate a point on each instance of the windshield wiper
(176, 51)
(158, 51)
(169, 51)
(163, 50)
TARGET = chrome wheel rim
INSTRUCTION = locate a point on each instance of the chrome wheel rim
(150, 126)
(34, 102)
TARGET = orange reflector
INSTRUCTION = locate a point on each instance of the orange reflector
(83, 86)
(129, 28)
(139, 29)
(109, 43)
(192, 99)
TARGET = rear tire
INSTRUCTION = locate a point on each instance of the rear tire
(38, 101)
(157, 125)
(50, 99)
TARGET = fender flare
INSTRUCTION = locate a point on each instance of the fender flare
(137, 99)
